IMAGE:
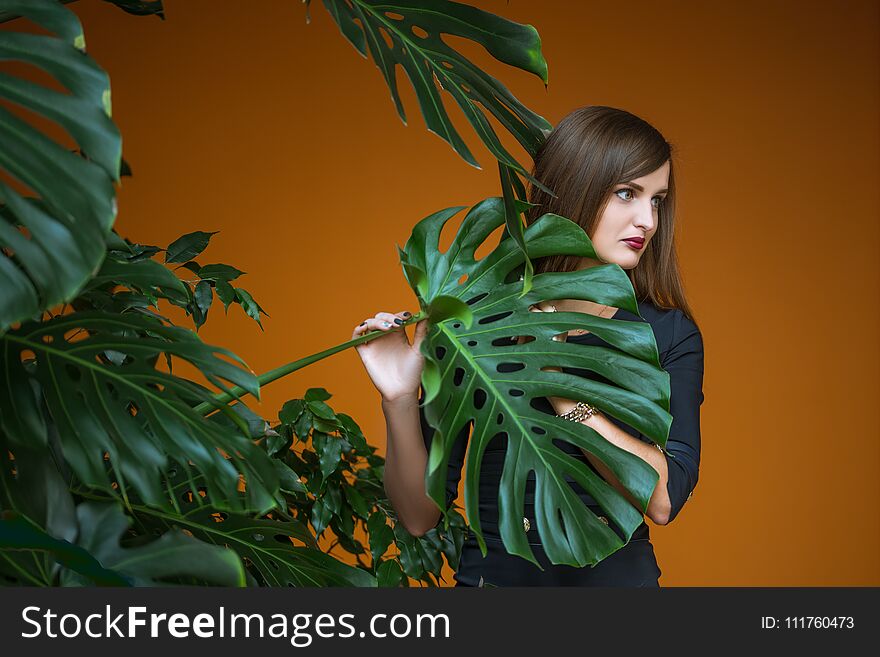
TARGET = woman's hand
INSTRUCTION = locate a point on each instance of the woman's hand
(394, 365)
(545, 307)
(560, 404)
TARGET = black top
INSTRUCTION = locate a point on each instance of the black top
(680, 347)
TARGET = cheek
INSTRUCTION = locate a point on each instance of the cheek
(610, 228)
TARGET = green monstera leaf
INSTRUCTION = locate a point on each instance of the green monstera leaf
(173, 554)
(409, 33)
(54, 241)
(475, 371)
(96, 374)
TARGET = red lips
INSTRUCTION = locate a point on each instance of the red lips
(635, 242)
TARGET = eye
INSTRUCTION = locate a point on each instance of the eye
(628, 190)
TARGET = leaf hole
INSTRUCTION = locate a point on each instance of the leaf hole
(446, 64)
(389, 42)
(477, 298)
(539, 431)
(479, 398)
(72, 372)
(394, 16)
(510, 367)
(462, 278)
(419, 32)
(496, 317)
(440, 351)
(458, 377)
(516, 392)
(471, 343)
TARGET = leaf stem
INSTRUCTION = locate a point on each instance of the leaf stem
(279, 372)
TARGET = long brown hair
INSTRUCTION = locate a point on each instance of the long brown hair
(590, 151)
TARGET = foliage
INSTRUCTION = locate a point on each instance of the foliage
(342, 489)
(110, 471)
(165, 506)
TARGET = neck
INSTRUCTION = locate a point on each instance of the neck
(586, 263)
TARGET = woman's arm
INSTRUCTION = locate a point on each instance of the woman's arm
(660, 505)
(406, 459)
(679, 474)
(395, 368)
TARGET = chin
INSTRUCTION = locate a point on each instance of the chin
(627, 260)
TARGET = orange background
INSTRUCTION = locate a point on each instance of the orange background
(244, 119)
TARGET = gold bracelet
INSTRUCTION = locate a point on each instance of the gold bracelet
(581, 411)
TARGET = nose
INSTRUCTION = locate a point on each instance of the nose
(645, 217)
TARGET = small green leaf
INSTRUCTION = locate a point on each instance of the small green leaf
(203, 295)
(330, 455)
(333, 499)
(188, 247)
(219, 272)
(226, 293)
(381, 535)
(321, 514)
(289, 480)
(358, 503)
(291, 410)
(389, 573)
(317, 394)
(192, 265)
(251, 307)
(321, 409)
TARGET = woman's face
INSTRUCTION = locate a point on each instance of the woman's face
(632, 212)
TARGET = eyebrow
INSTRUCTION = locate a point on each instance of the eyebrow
(641, 189)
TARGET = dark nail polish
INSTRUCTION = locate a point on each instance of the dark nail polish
(397, 320)
(408, 313)
(362, 323)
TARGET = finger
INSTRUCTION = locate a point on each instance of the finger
(372, 324)
(421, 332)
(360, 329)
(392, 319)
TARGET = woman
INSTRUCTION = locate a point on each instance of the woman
(612, 173)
